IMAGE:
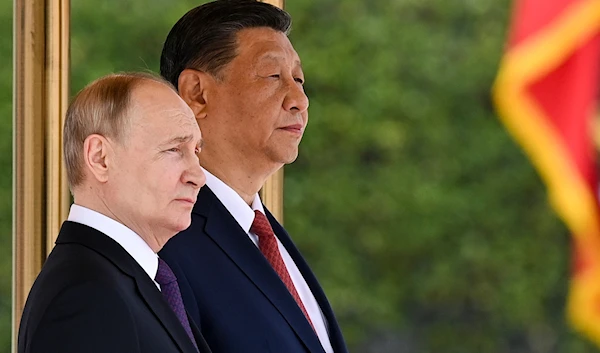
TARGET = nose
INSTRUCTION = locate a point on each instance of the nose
(194, 176)
(296, 100)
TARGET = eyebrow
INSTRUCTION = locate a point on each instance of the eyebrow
(183, 139)
(276, 57)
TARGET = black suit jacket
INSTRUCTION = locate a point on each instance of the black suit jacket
(92, 296)
(231, 291)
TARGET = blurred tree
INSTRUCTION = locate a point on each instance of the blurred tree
(425, 223)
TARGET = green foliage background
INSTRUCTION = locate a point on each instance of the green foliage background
(427, 226)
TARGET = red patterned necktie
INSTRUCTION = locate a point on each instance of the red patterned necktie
(170, 291)
(267, 243)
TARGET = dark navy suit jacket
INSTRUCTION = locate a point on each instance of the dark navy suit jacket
(233, 294)
(92, 296)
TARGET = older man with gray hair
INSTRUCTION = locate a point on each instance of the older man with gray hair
(130, 146)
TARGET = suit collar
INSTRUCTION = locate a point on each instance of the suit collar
(234, 241)
(75, 233)
(233, 202)
(127, 238)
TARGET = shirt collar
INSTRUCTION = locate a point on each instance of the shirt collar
(233, 202)
(128, 239)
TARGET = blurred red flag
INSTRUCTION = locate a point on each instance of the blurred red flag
(546, 94)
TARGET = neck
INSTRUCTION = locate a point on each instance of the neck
(96, 202)
(240, 173)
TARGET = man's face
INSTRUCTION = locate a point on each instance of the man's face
(258, 107)
(156, 176)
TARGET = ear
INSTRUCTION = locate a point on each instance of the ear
(95, 154)
(193, 86)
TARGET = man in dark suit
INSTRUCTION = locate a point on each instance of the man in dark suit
(130, 147)
(243, 280)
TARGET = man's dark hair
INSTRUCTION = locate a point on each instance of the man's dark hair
(205, 37)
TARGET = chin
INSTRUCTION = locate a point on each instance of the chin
(291, 158)
(181, 225)
(185, 226)
(287, 156)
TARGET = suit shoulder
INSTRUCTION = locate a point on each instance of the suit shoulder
(75, 269)
(74, 263)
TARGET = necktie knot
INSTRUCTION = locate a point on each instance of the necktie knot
(261, 226)
(164, 275)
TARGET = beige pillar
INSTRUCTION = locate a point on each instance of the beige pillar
(40, 194)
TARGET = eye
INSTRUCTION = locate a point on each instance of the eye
(197, 150)
(274, 76)
(299, 80)
(174, 149)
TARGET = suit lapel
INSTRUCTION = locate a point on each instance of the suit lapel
(224, 230)
(165, 314)
(112, 251)
(335, 334)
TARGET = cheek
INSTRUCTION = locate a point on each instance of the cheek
(168, 178)
(157, 180)
(261, 97)
(252, 114)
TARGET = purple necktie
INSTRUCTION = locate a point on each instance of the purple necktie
(170, 290)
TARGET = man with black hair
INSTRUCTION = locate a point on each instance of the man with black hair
(243, 280)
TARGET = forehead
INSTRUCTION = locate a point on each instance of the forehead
(255, 45)
(158, 110)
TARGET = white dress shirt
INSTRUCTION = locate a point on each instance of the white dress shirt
(128, 239)
(244, 215)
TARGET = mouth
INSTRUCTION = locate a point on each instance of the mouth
(186, 200)
(295, 129)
